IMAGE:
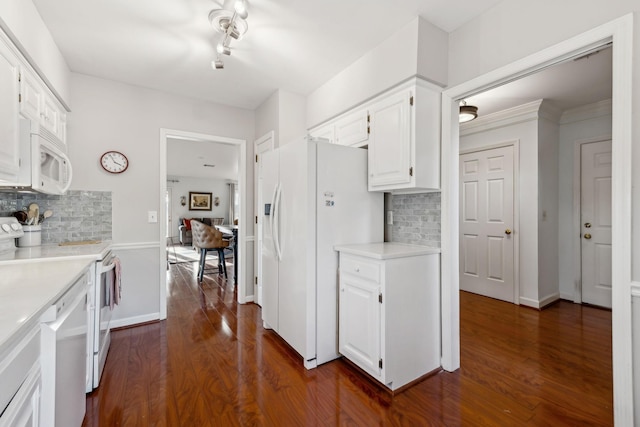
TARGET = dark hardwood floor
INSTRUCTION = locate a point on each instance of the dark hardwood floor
(212, 364)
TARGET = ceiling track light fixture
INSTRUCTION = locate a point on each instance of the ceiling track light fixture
(467, 112)
(232, 25)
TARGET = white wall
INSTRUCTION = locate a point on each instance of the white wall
(283, 113)
(525, 131)
(218, 188)
(548, 129)
(586, 123)
(21, 21)
(418, 48)
(109, 115)
(267, 116)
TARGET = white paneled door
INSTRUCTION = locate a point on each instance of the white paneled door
(486, 223)
(595, 218)
(261, 146)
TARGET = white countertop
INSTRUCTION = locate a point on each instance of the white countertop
(95, 251)
(26, 291)
(386, 250)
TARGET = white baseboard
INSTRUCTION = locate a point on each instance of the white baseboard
(131, 321)
(529, 302)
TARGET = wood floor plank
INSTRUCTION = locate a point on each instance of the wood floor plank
(211, 363)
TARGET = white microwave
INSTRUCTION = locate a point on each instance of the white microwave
(44, 166)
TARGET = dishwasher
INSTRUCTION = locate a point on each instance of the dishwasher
(63, 342)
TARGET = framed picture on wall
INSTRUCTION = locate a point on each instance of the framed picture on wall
(199, 201)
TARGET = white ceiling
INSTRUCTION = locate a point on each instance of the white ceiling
(567, 85)
(294, 45)
(189, 157)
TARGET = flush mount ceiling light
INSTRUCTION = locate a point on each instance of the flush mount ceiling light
(232, 25)
(467, 112)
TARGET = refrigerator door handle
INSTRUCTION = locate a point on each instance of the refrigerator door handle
(272, 214)
(276, 220)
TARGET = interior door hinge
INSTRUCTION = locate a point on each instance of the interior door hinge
(19, 97)
(380, 297)
(256, 158)
(256, 277)
(380, 363)
(368, 124)
(411, 171)
(19, 77)
(256, 219)
(411, 100)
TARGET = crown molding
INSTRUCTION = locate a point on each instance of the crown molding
(587, 112)
(522, 113)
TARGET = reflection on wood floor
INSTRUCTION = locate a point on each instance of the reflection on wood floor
(212, 364)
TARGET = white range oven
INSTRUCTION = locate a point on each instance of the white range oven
(100, 311)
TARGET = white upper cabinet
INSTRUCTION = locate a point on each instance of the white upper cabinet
(401, 129)
(9, 124)
(326, 131)
(390, 146)
(350, 129)
(38, 104)
(404, 144)
(353, 129)
(30, 96)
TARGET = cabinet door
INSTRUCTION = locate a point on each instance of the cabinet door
(30, 96)
(51, 116)
(353, 130)
(9, 124)
(390, 141)
(326, 131)
(359, 337)
(24, 409)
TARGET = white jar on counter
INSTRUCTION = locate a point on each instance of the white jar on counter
(32, 236)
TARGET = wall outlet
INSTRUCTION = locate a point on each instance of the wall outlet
(153, 217)
(389, 217)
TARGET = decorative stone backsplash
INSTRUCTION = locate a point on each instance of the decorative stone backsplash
(416, 219)
(77, 215)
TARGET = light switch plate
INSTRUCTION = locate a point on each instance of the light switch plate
(153, 216)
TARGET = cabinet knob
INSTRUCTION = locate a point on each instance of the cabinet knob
(357, 269)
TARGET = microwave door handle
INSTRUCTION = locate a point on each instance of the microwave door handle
(70, 176)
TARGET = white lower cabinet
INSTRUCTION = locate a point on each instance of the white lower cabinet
(20, 382)
(389, 317)
(24, 409)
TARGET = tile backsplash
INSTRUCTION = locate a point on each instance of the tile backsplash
(416, 219)
(77, 215)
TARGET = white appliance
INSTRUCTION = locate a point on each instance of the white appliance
(318, 198)
(44, 166)
(99, 318)
(63, 343)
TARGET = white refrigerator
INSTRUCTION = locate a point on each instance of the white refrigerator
(315, 198)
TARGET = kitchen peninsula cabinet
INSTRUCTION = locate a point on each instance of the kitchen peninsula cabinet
(9, 125)
(389, 316)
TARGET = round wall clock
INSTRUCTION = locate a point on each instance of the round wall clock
(114, 162)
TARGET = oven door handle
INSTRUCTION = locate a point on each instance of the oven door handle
(108, 268)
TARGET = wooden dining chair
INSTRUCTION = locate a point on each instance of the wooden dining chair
(208, 238)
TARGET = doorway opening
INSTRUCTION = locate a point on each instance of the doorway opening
(620, 32)
(239, 145)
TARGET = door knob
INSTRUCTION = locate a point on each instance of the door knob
(507, 231)
(587, 225)
(587, 236)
